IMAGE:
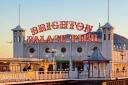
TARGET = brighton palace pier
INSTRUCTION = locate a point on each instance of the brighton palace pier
(90, 62)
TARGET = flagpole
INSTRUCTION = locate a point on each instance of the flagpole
(19, 14)
(108, 10)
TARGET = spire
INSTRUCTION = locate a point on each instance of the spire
(99, 25)
(108, 11)
(99, 29)
(18, 27)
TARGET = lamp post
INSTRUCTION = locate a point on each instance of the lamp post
(70, 61)
(30, 56)
(53, 51)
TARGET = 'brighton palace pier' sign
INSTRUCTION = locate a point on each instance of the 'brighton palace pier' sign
(87, 37)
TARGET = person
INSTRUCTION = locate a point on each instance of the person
(41, 70)
(27, 67)
(24, 69)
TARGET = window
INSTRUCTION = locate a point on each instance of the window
(108, 36)
(19, 39)
(47, 50)
(79, 49)
(104, 36)
(123, 68)
(117, 70)
(122, 56)
(63, 50)
(31, 50)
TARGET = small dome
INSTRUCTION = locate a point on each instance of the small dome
(107, 26)
(18, 28)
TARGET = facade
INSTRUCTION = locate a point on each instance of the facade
(112, 47)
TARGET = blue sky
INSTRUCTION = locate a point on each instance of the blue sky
(35, 12)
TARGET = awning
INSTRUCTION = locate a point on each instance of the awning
(62, 61)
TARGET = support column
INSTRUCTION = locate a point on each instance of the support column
(98, 70)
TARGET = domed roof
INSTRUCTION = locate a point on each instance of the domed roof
(18, 28)
(107, 26)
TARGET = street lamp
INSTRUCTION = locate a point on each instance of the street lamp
(70, 60)
(31, 56)
(53, 51)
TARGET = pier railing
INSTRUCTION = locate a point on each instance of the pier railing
(53, 75)
(32, 75)
(118, 74)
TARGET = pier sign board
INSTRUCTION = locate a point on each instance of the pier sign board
(80, 26)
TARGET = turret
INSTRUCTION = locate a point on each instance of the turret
(18, 41)
(107, 41)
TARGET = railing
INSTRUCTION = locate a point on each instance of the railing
(102, 74)
(54, 75)
(118, 74)
(32, 75)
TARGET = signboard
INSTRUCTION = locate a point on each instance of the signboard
(80, 26)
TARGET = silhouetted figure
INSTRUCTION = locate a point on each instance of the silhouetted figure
(24, 69)
(41, 70)
(27, 68)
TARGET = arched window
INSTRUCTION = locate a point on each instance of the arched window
(79, 49)
(31, 50)
(63, 50)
